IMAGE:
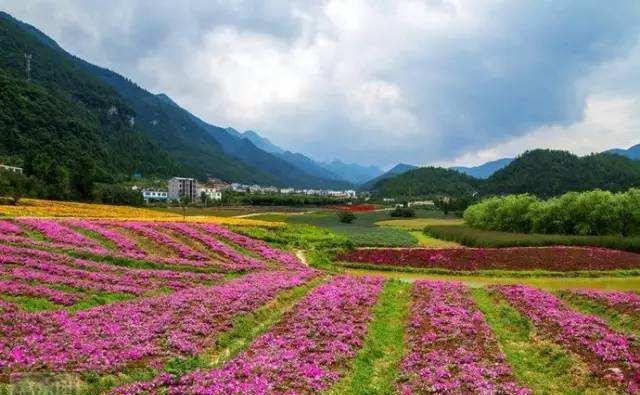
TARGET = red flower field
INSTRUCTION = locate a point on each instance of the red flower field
(518, 258)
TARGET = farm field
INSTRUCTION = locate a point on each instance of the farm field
(222, 306)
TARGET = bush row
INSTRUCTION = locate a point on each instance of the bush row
(472, 237)
(575, 213)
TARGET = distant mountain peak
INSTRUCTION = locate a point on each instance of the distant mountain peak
(484, 170)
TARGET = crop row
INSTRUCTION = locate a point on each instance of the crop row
(517, 258)
(611, 356)
(63, 234)
(623, 302)
(451, 349)
(305, 353)
(106, 338)
(27, 265)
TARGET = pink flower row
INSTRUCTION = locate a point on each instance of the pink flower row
(60, 233)
(304, 353)
(624, 302)
(611, 355)
(451, 349)
(285, 259)
(73, 269)
(16, 288)
(236, 259)
(106, 338)
(7, 228)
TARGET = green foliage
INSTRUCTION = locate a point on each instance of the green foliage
(116, 194)
(375, 368)
(403, 212)
(473, 237)
(15, 185)
(580, 213)
(346, 217)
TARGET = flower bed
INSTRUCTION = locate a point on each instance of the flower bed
(9, 228)
(30, 264)
(306, 352)
(611, 356)
(234, 258)
(623, 302)
(124, 244)
(451, 349)
(519, 258)
(59, 233)
(356, 208)
(108, 337)
(285, 259)
(16, 288)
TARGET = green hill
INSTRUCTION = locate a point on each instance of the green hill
(426, 182)
(548, 173)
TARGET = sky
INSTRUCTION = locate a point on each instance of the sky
(377, 82)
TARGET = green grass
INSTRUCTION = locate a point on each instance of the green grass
(472, 237)
(621, 322)
(98, 299)
(432, 242)
(537, 363)
(375, 368)
(31, 304)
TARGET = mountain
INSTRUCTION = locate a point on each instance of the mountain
(426, 182)
(352, 172)
(484, 170)
(64, 125)
(395, 170)
(549, 173)
(178, 142)
(632, 153)
(262, 142)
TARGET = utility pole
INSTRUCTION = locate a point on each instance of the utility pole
(27, 59)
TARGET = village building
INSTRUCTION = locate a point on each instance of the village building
(11, 168)
(210, 192)
(150, 195)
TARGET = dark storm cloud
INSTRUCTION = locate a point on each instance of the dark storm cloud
(375, 82)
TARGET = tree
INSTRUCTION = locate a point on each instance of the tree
(346, 217)
(14, 184)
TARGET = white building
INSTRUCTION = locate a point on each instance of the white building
(287, 191)
(180, 187)
(212, 193)
(150, 195)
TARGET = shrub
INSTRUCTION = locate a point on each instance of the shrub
(403, 212)
(346, 217)
(575, 213)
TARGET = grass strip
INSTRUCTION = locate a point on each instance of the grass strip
(374, 369)
(537, 363)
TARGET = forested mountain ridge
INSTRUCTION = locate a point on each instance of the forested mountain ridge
(63, 125)
(540, 172)
(171, 140)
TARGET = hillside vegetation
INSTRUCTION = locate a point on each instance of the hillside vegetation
(544, 173)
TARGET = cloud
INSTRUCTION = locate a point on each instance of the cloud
(375, 82)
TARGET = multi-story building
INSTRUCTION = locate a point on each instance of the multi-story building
(180, 187)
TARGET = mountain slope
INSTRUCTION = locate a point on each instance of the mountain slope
(202, 150)
(394, 171)
(352, 172)
(65, 126)
(484, 170)
(632, 153)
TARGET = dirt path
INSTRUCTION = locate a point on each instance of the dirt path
(300, 255)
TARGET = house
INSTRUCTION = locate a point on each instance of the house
(287, 191)
(180, 187)
(218, 184)
(154, 195)
(428, 203)
(12, 169)
(210, 192)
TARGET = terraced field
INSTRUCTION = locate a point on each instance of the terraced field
(137, 307)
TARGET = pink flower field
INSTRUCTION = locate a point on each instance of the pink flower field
(106, 298)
